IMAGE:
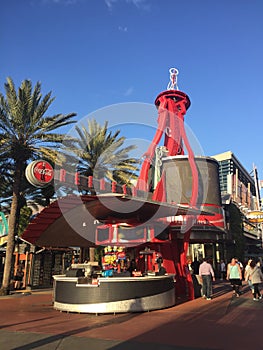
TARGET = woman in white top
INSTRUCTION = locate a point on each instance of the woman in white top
(255, 275)
(246, 277)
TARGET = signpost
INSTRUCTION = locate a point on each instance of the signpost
(39, 173)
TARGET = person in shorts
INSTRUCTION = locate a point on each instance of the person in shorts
(234, 275)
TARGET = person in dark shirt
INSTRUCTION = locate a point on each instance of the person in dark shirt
(195, 266)
(162, 270)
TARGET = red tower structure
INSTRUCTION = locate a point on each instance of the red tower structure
(172, 105)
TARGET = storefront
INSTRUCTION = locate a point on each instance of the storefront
(38, 265)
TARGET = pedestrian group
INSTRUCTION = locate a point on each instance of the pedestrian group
(234, 272)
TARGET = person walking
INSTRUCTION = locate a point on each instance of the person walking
(222, 270)
(254, 274)
(246, 276)
(206, 274)
(19, 277)
(195, 266)
(234, 275)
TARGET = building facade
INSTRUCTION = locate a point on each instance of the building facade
(240, 195)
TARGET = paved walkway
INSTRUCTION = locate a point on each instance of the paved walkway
(28, 321)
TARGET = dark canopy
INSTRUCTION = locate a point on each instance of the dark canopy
(72, 220)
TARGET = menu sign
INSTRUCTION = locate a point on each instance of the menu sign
(256, 217)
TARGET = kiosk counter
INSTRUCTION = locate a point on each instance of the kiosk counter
(113, 294)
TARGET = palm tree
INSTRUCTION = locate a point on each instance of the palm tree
(26, 134)
(100, 153)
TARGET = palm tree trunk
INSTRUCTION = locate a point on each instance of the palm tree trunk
(5, 289)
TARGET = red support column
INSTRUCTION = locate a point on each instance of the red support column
(77, 178)
(62, 175)
(113, 187)
(102, 184)
(90, 181)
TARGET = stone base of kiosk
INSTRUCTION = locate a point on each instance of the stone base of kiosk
(114, 294)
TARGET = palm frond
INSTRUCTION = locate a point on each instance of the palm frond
(100, 152)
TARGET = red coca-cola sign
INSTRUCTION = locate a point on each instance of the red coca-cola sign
(43, 171)
(39, 173)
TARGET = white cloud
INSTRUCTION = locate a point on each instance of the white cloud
(137, 3)
(109, 3)
(122, 29)
(129, 91)
(140, 4)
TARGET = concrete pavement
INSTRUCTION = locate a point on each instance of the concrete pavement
(28, 321)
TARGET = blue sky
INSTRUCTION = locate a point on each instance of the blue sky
(95, 53)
